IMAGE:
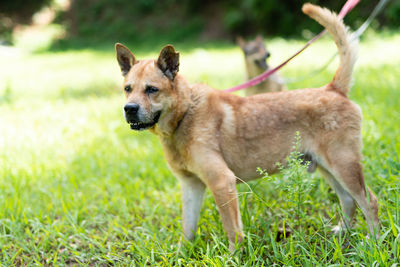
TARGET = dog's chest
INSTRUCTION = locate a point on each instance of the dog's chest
(176, 154)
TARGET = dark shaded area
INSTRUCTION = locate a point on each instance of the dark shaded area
(177, 21)
(14, 12)
(101, 23)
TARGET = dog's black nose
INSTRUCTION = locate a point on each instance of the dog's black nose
(131, 108)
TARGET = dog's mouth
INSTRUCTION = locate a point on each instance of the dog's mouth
(139, 126)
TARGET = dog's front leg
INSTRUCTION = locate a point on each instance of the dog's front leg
(222, 183)
(192, 198)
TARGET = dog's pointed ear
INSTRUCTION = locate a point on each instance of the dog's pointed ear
(240, 41)
(125, 58)
(168, 62)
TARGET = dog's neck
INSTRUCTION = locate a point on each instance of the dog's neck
(271, 84)
(253, 70)
(176, 114)
(180, 121)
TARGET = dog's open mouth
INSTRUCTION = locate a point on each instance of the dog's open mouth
(143, 126)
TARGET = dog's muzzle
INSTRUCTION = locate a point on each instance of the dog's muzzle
(262, 63)
(132, 117)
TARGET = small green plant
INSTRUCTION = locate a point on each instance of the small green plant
(293, 181)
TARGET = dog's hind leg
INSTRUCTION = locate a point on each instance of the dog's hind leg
(347, 202)
(348, 180)
(192, 199)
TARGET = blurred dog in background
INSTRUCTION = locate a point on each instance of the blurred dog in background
(256, 55)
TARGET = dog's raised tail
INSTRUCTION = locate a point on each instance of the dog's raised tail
(347, 47)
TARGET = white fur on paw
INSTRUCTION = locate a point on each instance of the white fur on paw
(231, 248)
(337, 230)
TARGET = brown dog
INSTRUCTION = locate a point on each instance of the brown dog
(210, 137)
(256, 55)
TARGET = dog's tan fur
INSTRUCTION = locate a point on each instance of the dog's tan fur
(255, 56)
(210, 137)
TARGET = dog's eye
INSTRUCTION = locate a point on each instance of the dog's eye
(151, 89)
(128, 88)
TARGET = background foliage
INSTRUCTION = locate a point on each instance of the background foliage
(127, 20)
(13, 12)
(211, 19)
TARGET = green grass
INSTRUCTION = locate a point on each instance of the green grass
(78, 187)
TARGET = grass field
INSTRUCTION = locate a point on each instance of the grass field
(78, 187)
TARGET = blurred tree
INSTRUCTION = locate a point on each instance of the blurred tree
(14, 12)
(177, 19)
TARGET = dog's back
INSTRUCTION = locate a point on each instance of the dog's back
(320, 113)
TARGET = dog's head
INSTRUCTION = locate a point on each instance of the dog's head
(255, 52)
(149, 86)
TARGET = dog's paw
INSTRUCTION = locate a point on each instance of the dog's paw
(338, 230)
(235, 245)
(235, 248)
(232, 248)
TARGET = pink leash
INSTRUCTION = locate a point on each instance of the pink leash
(348, 6)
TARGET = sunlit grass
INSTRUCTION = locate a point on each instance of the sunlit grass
(77, 186)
